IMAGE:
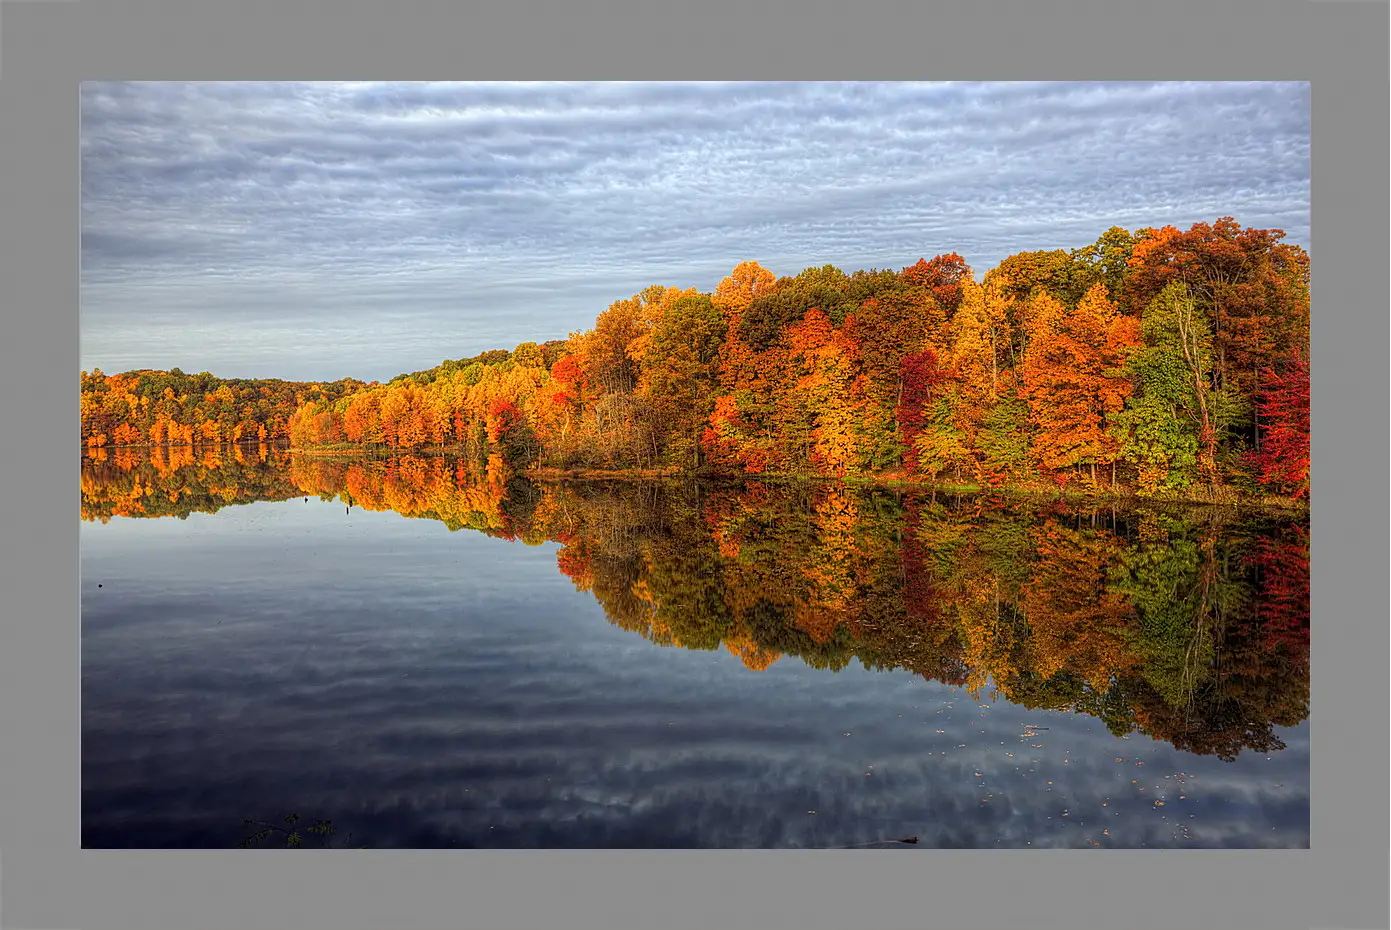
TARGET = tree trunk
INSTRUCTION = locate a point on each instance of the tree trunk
(1256, 412)
(1207, 436)
(994, 365)
(899, 402)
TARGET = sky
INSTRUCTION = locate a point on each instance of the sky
(328, 230)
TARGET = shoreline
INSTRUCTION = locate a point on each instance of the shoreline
(884, 481)
(901, 482)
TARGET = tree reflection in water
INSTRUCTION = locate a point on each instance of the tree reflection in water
(1190, 625)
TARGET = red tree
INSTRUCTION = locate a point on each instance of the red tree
(1283, 459)
(942, 276)
(923, 376)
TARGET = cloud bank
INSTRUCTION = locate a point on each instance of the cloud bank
(325, 230)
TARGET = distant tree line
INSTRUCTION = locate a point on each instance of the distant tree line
(171, 408)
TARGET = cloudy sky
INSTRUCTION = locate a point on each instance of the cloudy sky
(315, 231)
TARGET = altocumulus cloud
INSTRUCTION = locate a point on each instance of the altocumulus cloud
(326, 230)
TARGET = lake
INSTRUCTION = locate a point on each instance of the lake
(428, 654)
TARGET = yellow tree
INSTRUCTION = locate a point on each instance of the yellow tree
(738, 289)
(1072, 378)
(825, 395)
(980, 348)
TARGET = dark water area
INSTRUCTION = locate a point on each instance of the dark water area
(430, 655)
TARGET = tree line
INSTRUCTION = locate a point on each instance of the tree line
(1163, 361)
(170, 408)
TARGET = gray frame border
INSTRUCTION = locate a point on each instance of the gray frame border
(48, 882)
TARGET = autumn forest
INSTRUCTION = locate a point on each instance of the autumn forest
(1160, 363)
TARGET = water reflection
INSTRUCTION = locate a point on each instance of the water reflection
(1190, 626)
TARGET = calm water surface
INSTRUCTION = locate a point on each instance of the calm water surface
(431, 656)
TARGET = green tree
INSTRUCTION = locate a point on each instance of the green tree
(1170, 426)
(679, 375)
